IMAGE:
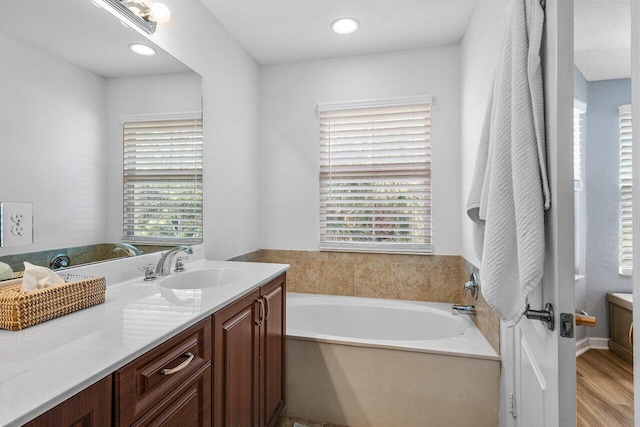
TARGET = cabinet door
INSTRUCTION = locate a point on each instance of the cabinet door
(272, 348)
(90, 407)
(190, 408)
(236, 363)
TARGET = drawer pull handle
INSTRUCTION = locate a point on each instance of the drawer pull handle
(631, 334)
(180, 367)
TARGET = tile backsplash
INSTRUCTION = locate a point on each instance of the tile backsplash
(437, 278)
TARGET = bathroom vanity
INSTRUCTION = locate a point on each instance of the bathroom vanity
(620, 320)
(153, 355)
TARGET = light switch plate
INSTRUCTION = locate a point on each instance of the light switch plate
(16, 224)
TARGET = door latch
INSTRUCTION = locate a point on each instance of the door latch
(566, 325)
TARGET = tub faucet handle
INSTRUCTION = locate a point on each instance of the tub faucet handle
(471, 285)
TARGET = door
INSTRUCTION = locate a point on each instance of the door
(635, 77)
(539, 364)
(91, 407)
(273, 355)
(236, 364)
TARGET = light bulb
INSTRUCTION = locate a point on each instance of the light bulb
(159, 13)
(344, 25)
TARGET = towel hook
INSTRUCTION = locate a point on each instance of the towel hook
(545, 316)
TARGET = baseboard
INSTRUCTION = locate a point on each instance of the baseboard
(591, 343)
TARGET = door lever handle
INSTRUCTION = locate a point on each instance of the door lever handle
(583, 319)
(546, 316)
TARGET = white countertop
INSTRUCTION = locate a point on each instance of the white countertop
(45, 364)
(622, 299)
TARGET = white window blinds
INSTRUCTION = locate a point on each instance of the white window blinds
(163, 180)
(579, 108)
(375, 175)
(626, 200)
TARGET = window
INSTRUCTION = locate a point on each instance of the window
(626, 200)
(375, 175)
(163, 180)
(579, 108)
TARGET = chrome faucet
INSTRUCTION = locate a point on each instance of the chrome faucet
(128, 248)
(464, 309)
(162, 269)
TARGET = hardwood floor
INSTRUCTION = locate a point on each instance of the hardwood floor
(604, 390)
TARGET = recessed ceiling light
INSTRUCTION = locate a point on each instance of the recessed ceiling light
(142, 49)
(344, 25)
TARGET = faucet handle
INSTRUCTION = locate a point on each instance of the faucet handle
(180, 264)
(149, 272)
(471, 285)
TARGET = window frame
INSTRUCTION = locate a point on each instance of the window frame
(198, 178)
(423, 172)
(625, 182)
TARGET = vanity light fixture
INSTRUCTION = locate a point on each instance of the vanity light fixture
(344, 25)
(140, 14)
(142, 49)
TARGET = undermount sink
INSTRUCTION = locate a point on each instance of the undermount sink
(199, 279)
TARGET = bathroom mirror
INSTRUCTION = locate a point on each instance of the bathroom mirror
(68, 81)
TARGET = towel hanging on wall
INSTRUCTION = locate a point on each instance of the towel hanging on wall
(509, 191)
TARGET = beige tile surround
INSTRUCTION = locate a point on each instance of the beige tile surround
(437, 278)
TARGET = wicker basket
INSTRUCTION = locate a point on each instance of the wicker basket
(19, 310)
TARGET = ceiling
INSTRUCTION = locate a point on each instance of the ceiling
(603, 38)
(278, 31)
(85, 35)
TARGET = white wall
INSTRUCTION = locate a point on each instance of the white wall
(289, 135)
(52, 134)
(126, 96)
(230, 97)
(479, 54)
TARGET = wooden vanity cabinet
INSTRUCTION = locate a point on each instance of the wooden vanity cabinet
(91, 407)
(249, 361)
(168, 385)
(175, 383)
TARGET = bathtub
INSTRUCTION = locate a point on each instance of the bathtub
(374, 362)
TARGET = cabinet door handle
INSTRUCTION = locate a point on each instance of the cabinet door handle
(262, 310)
(266, 316)
(180, 367)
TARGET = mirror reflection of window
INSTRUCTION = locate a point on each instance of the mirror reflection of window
(162, 178)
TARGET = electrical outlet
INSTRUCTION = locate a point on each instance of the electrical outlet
(16, 224)
(17, 217)
(17, 230)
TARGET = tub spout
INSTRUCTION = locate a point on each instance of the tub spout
(465, 309)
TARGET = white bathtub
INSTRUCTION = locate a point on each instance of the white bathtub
(373, 362)
(408, 325)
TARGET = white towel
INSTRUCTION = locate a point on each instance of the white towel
(509, 191)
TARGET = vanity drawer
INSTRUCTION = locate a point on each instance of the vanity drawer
(160, 373)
